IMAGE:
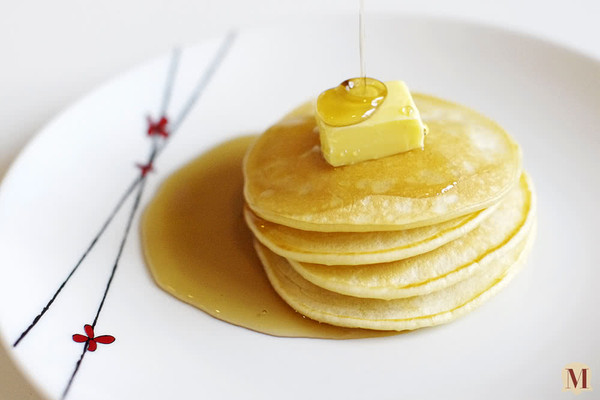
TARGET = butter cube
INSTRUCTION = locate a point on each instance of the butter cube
(394, 127)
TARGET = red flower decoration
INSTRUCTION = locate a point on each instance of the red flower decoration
(158, 128)
(91, 339)
(145, 168)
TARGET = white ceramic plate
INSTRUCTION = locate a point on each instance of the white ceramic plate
(65, 184)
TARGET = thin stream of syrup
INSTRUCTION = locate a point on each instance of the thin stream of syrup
(361, 41)
(356, 99)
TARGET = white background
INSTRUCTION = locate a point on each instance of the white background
(52, 52)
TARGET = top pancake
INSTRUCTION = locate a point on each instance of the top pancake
(468, 163)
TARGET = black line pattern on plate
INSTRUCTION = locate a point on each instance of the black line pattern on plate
(124, 197)
(132, 213)
(165, 103)
(161, 132)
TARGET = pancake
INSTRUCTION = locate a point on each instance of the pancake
(439, 307)
(468, 163)
(495, 237)
(355, 248)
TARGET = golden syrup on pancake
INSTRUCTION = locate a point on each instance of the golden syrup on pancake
(419, 173)
(199, 249)
(351, 102)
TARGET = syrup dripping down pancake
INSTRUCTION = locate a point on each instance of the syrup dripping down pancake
(495, 237)
(415, 312)
(356, 248)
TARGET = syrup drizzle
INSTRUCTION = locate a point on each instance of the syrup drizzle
(356, 99)
(361, 40)
(351, 102)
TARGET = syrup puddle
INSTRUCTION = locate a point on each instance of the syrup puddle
(199, 249)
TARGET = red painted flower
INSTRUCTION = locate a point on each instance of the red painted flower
(91, 339)
(145, 168)
(158, 128)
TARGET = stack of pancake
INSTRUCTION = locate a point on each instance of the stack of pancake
(402, 242)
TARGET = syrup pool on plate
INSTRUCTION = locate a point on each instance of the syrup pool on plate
(199, 249)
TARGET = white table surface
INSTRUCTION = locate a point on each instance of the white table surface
(53, 52)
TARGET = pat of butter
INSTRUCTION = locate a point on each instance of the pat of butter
(394, 127)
